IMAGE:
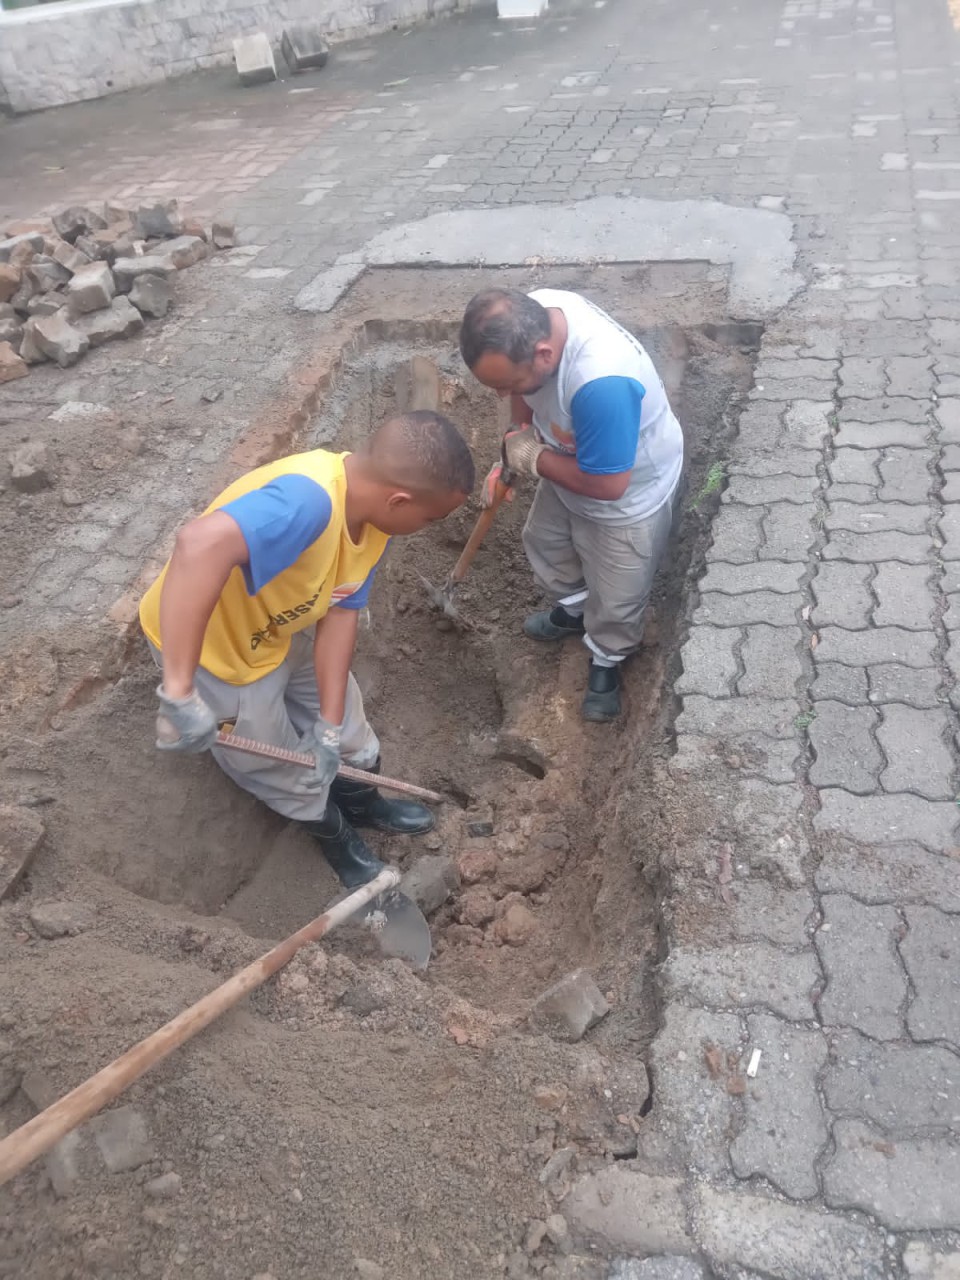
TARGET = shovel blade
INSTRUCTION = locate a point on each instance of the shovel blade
(400, 928)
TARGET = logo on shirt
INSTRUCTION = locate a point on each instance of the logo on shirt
(564, 439)
(283, 619)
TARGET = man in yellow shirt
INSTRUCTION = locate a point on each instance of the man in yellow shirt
(253, 620)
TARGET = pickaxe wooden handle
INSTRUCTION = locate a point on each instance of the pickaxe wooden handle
(480, 530)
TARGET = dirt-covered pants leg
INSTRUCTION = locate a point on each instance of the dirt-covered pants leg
(277, 709)
(617, 565)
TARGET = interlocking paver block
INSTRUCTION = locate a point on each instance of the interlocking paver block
(808, 422)
(949, 523)
(918, 759)
(905, 596)
(881, 517)
(899, 1087)
(863, 377)
(910, 376)
(842, 594)
(755, 491)
(887, 819)
(847, 754)
(866, 984)
(905, 475)
(901, 873)
(918, 687)
(784, 1127)
(709, 663)
(931, 952)
(788, 532)
(881, 644)
(855, 434)
(910, 1183)
(722, 610)
(947, 414)
(789, 1241)
(630, 1210)
(737, 579)
(750, 974)
(798, 463)
(885, 408)
(871, 548)
(733, 717)
(771, 662)
(737, 535)
(855, 466)
(835, 681)
(765, 911)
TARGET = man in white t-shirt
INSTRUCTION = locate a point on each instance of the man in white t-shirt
(594, 425)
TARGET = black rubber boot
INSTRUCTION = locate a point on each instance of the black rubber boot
(553, 624)
(602, 701)
(351, 861)
(364, 806)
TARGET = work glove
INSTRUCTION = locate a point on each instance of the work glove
(185, 724)
(322, 741)
(520, 451)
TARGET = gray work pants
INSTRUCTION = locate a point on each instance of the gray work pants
(277, 709)
(603, 570)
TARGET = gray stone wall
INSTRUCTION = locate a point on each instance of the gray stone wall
(67, 52)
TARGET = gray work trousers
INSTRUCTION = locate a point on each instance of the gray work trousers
(605, 571)
(277, 709)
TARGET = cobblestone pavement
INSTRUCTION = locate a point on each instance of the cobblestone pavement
(817, 723)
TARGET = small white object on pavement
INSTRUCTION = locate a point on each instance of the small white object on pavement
(754, 1066)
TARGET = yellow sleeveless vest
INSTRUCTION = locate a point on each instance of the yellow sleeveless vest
(248, 636)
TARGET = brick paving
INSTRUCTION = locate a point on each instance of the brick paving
(819, 683)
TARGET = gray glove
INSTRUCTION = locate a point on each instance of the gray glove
(185, 724)
(322, 741)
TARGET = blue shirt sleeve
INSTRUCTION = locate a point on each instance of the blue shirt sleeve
(360, 597)
(606, 424)
(278, 522)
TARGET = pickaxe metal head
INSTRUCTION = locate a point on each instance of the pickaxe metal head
(442, 598)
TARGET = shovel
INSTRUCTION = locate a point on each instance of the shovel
(396, 922)
(442, 598)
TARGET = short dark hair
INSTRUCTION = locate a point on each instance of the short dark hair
(506, 321)
(423, 451)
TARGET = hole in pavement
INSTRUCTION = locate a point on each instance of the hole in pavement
(558, 817)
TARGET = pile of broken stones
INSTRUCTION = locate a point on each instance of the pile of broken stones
(89, 274)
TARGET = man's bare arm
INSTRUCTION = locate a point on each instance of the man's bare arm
(332, 657)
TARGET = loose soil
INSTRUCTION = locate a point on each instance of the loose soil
(352, 1110)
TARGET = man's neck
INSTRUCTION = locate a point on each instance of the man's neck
(356, 499)
(558, 331)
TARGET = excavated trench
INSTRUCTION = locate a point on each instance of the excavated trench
(555, 825)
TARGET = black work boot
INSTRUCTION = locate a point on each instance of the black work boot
(351, 861)
(602, 701)
(553, 624)
(364, 806)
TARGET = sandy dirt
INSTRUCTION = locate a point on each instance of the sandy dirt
(352, 1111)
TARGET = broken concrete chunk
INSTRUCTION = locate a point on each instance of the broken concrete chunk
(126, 270)
(165, 1187)
(46, 273)
(304, 48)
(430, 882)
(20, 834)
(32, 239)
(11, 365)
(91, 288)
(77, 221)
(516, 926)
(119, 320)
(158, 220)
(31, 467)
(108, 246)
(151, 295)
(11, 330)
(254, 58)
(184, 251)
(29, 347)
(569, 1008)
(45, 304)
(59, 340)
(70, 256)
(121, 1135)
(9, 281)
(224, 233)
(61, 919)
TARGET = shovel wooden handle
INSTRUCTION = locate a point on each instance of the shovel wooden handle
(44, 1131)
(480, 531)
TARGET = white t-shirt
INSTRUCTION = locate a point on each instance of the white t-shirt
(607, 407)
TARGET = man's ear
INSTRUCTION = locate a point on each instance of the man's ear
(399, 498)
(543, 352)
